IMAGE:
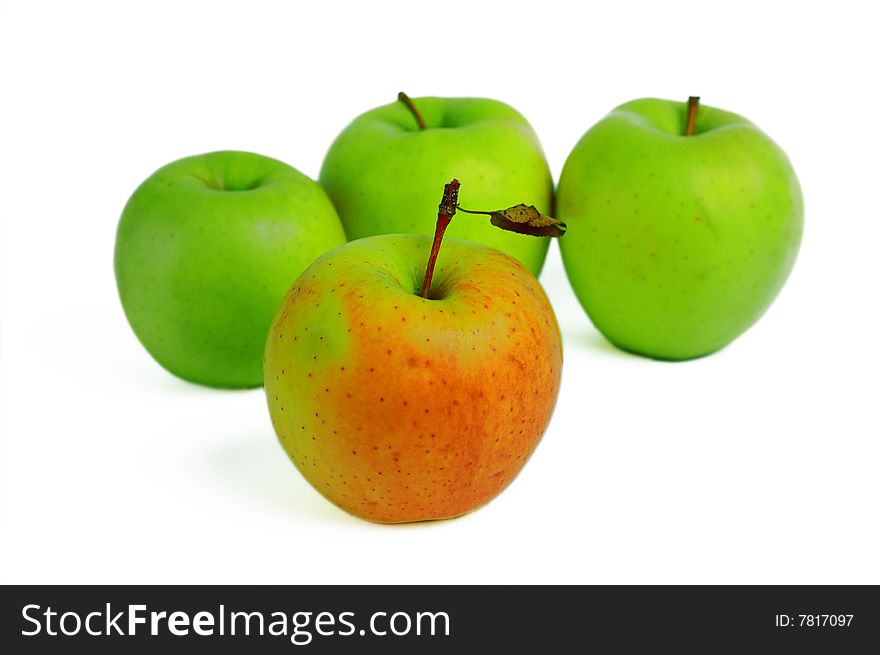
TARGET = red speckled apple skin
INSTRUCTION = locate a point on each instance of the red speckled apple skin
(399, 408)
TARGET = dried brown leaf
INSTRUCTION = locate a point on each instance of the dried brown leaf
(524, 219)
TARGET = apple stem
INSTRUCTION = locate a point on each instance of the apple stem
(691, 123)
(444, 217)
(405, 99)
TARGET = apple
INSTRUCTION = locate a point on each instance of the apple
(683, 225)
(399, 406)
(206, 248)
(383, 170)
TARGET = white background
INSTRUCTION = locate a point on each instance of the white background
(759, 464)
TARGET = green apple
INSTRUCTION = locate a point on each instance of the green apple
(398, 407)
(206, 248)
(382, 172)
(677, 243)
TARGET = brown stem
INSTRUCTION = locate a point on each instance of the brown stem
(473, 211)
(444, 217)
(691, 123)
(405, 99)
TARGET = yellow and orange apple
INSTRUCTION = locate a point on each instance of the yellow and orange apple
(399, 407)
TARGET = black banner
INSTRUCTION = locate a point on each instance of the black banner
(415, 619)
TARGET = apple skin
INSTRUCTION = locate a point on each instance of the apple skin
(677, 244)
(398, 408)
(382, 172)
(206, 248)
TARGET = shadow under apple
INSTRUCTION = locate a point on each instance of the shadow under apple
(259, 468)
(592, 339)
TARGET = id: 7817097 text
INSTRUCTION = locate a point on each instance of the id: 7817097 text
(814, 620)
